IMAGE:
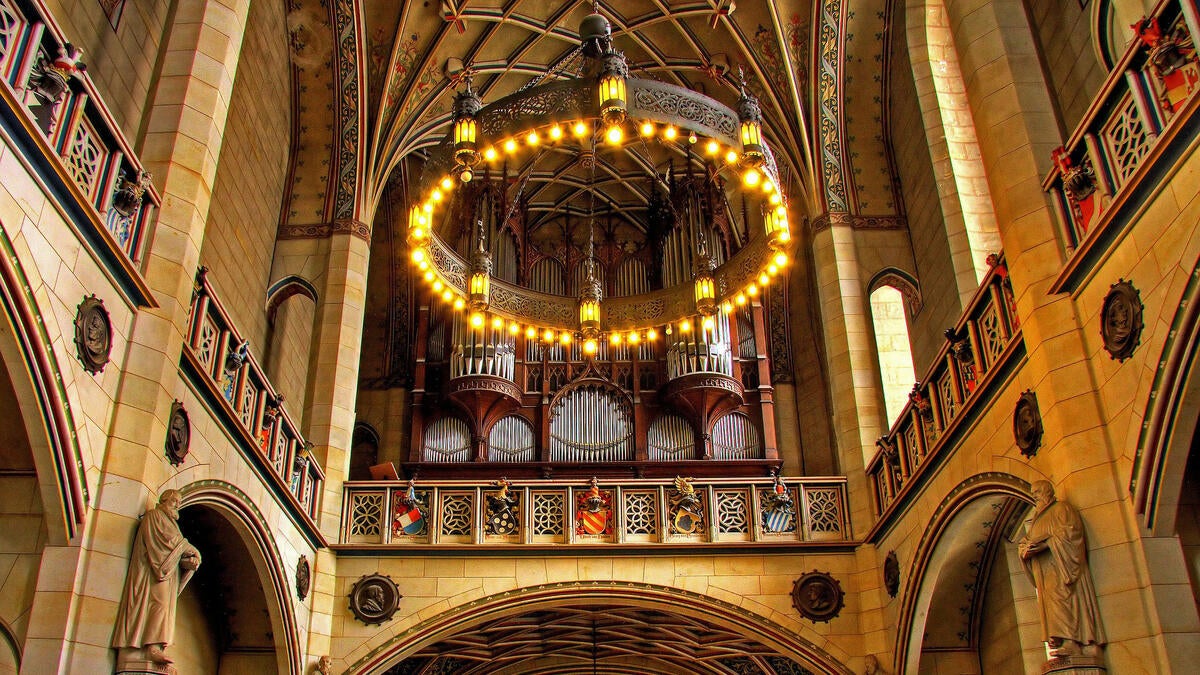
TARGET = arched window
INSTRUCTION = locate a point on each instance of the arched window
(896, 372)
(364, 451)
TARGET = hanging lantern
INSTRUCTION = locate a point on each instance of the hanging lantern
(480, 285)
(589, 305)
(776, 224)
(611, 88)
(706, 285)
(466, 154)
(754, 152)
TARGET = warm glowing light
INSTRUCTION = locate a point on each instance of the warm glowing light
(466, 175)
(556, 132)
(510, 146)
(785, 236)
(531, 333)
(548, 336)
(447, 295)
(712, 148)
(438, 286)
(652, 335)
(459, 303)
(763, 279)
(429, 276)
(775, 198)
(532, 138)
(614, 135)
(589, 347)
(751, 177)
(436, 195)
(579, 129)
(752, 290)
(417, 233)
(727, 307)
(647, 129)
(772, 269)
(670, 133)
(692, 138)
(781, 259)
(685, 326)
(447, 183)
(709, 323)
(497, 323)
(565, 338)
(427, 207)
(477, 319)
(634, 338)
(768, 186)
(418, 254)
(514, 328)
(615, 338)
(740, 299)
(731, 157)
(490, 154)
(423, 265)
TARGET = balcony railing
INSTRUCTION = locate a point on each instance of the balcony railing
(497, 360)
(1137, 115)
(687, 358)
(643, 512)
(61, 117)
(976, 351)
(248, 400)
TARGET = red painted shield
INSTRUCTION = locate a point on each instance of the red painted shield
(594, 522)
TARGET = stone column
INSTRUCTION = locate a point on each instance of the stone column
(331, 410)
(70, 631)
(850, 353)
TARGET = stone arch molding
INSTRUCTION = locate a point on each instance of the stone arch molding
(903, 282)
(924, 566)
(234, 505)
(800, 645)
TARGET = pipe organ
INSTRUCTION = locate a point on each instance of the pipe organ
(689, 398)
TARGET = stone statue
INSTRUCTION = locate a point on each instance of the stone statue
(325, 665)
(1054, 553)
(871, 665)
(161, 565)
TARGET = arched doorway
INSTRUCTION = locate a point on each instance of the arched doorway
(235, 615)
(970, 608)
(602, 628)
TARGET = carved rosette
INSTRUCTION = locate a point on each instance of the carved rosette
(1121, 320)
(179, 434)
(93, 334)
(1027, 424)
(818, 596)
(374, 599)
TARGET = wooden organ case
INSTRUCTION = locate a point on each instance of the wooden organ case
(508, 398)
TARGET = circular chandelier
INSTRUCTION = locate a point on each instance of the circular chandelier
(607, 107)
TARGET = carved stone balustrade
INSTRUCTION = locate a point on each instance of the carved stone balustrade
(613, 514)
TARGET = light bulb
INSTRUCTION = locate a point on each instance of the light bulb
(556, 132)
(670, 133)
(447, 183)
(614, 135)
(459, 303)
(510, 146)
(497, 323)
(589, 347)
(751, 177)
(532, 138)
(647, 129)
(476, 319)
(579, 129)
(712, 148)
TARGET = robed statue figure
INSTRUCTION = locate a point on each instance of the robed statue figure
(161, 565)
(1054, 553)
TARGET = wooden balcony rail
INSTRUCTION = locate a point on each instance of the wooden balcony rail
(620, 512)
(60, 117)
(249, 400)
(1139, 112)
(977, 349)
(686, 358)
(495, 359)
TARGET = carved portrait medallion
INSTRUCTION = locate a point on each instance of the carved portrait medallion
(179, 434)
(93, 334)
(374, 598)
(891, 574)
(303, 577)
(818, 596)
(1121, 320)
(1027, 424)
